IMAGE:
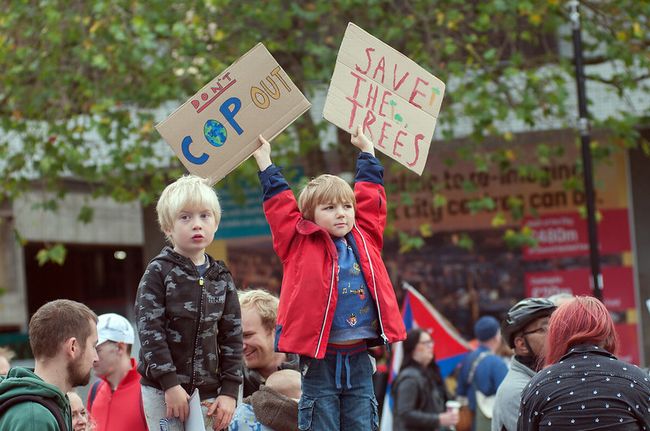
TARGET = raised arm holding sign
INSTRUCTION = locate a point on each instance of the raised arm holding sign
(329, 241)
(395, 100)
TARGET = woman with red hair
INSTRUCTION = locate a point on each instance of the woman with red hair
(584, 386)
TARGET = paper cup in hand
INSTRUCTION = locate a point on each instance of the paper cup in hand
(452, 405)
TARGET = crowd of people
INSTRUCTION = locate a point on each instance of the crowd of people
(563, 374)
(301, 361)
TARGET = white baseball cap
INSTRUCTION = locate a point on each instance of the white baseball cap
(113, 327)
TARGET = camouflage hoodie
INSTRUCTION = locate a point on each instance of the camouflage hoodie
(189, 326)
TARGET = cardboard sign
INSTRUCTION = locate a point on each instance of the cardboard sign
(395, 100)
(217, 129)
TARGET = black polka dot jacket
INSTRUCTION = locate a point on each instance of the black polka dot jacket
(589, 389)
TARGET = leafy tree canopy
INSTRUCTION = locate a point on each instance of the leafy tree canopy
(81, 80)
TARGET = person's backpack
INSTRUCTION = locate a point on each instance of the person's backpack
(93, 393)
(48, 403)
(465, 415)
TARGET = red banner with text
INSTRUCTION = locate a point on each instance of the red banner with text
(565, 234)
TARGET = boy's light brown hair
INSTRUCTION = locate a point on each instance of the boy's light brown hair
(323, 189)
(56, 322)
(189, 191)
(265, 303)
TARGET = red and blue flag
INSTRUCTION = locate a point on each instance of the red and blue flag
(449, 347)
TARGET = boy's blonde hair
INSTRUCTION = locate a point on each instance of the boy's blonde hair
(187, 191)
(265, 303)
(324, 189)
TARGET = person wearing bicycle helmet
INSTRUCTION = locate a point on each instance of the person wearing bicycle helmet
(524, 329)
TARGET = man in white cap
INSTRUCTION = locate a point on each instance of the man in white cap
(115, 401)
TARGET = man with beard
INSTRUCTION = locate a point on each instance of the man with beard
(525, 331)
(259, 311)
(63, 336)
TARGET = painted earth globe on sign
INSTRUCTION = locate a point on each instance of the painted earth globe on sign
(215, 133)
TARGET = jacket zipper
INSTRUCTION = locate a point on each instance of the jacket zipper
(374, 285)
(329, 301)
(108, 416)
(196, 336)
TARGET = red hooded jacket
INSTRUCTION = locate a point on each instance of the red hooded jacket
(310, 262)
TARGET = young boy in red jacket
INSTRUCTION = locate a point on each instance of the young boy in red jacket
(336, 298)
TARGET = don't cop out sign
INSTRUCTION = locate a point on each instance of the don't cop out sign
(216, 129)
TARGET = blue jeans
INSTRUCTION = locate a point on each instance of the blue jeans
(337, 392)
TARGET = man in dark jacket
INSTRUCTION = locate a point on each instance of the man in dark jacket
(63, 336)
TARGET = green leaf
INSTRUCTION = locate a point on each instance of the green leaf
(498, 220)
(55, 254)
(439, 201)
(408, 243)
(490, 54)
(58, 254)
(406, 199)
(466, 242)
(86, 214)
(19, 238)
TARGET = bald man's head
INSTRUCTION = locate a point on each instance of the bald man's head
(286, 382)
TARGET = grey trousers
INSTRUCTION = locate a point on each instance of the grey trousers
(153, 401)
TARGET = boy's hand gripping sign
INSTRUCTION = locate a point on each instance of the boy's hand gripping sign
(216, 130)
(395, 100)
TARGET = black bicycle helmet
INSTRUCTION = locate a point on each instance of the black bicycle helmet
(523, 313)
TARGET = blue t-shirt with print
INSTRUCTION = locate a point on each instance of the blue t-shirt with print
(355, 317)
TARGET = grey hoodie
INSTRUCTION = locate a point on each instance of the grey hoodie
(508, 398)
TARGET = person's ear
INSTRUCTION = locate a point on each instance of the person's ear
(71, 347)
(121, 347)
(520, 345)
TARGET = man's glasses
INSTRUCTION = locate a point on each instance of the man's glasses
(540, 330)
